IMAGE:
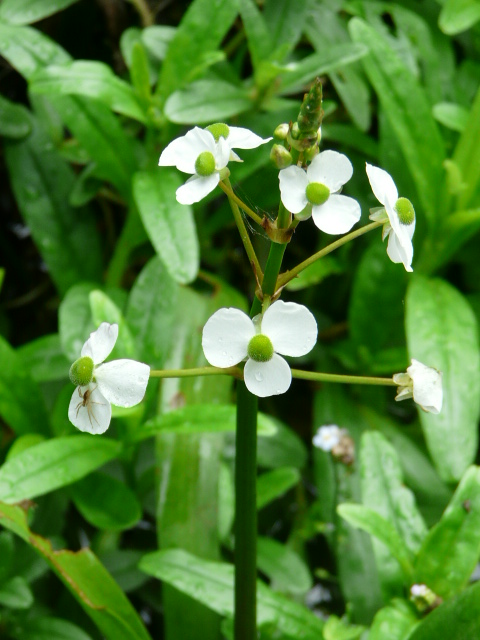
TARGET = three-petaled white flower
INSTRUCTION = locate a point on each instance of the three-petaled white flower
(317, 188)
(328, 437)
(286, 328)
(400, 224)
(120, 382)
(204, 153)
(423, 384)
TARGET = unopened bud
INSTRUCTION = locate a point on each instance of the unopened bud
(280, 156)
(281, 132)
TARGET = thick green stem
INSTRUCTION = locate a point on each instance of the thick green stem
(336, 377)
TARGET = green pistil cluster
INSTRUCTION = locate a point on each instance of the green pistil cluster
(405, 211)
(317, 193)
(205, 164)
(260, 348)
(81, 371)
(218, 130)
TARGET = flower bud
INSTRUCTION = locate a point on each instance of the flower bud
(81, 371)
(281, 157)
(281, 132)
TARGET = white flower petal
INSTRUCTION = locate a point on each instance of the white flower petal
(382, 184)
(331, 168)
(183, 152)
(337, 215)
(226, 336)
(293, 185)
(233, 157)
(427, 386)
(327, 437)
(400, 249)
(123, 382)
(196, 188)
(270, 378)
(101, 342)
(91, 414)
(222, 154)
(241, 138)
(291, 327)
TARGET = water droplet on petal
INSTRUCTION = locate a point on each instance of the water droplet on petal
(258, 376)
(224, 353)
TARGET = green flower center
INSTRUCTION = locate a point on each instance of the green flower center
(219, 129)
(405, 211)
(317, 193)
(81, 371)
(260, 348)
(205, 164)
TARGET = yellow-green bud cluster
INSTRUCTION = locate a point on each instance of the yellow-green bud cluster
(81, 371)
(260, 348)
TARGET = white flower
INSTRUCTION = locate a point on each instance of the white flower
(419, 590)
(204, 153)
(328, 437)
(120, 382)
(423, 384)
(401, 216)
(318, 187)
(230, 336)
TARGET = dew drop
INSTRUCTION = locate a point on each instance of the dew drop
(259, 376)
(224, 353)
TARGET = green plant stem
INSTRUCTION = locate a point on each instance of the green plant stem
(236, 372)
(143, 10)
(335, 377)
(227, 189)
(293, 273)
(242, 229)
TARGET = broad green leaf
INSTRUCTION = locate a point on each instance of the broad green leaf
(285, 21)
(14, 120)
(467, 154)
(87, 580)
(105, 502)
(123, 565)
(226, 501)
(394, 622)
(24, 442)
(21, 404)
(458, 15)
(157, 39)
(105, 310)
(42, 183)
(416, 131)
(201, 31)
(376, 525)
(28, 50)
(151, 312)
(315, 273)
(457, 229)
(456, 620)
(28, 11)
(452, 547)
(53, 464)
(212, 584)
(7, 552)
(53, 629)
(282, 448)
(206, 101)
(286, 570)
(140, 73)
(339, 629)
(442, 333)
(451, 115)
(273, 484)
(169, 225)
(89, 78)
(16, 594)
(75, 320)
(44, 358)
(258, 35)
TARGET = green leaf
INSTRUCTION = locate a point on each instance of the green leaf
(258, 35)
(376, 525)
(457, 229)
(16, 594)
(44, 358)
(467, 155)
(75, 319)
(451, 550)
(14, 119)
(458, 15)
(86, 578)
(285, 21)
(442, 333)
(273, 484)
(106, 503)
(206, 101)
(212, 584)
(42, 183)
(394, 622)
(157, 39)
(21, 404)
(169, 224)
(283, 566)
(53, 464)
(53, 629)
(451, 115)
(28, 11)
(123, 565)
(416, 131)
(279, 448)
(89, 78)
(105, 310)
(337, 629)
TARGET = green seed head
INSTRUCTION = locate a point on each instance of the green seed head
(260, 348)
(219, 129)
(317, 193)
(205, 164)
(405, 211)
(81, 371)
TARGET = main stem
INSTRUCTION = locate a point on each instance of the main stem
(245, 624)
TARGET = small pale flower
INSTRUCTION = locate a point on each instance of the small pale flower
(204, 153)
(120, 382)
(327, 437)
(318, 188)
(423, 384)
(286, 328)
(399, 219)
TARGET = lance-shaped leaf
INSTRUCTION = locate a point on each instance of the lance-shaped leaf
(28, 11)
(14, 119)
(394, 622)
